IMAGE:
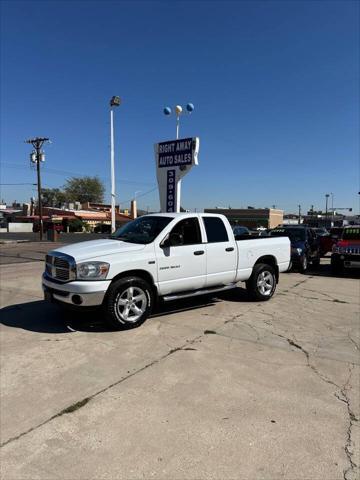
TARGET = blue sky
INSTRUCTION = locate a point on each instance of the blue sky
(275, 86)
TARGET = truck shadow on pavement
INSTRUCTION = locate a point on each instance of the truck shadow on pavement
(324, 270)
(43, 317)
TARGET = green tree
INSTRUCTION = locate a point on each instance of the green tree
(84, 189)
(52, 197)
(76, 225)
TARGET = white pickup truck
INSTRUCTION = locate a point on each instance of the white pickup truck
(162, 256)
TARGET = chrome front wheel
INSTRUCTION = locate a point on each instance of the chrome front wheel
(128, 302)
(131, 304)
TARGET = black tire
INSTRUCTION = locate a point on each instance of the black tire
(256, 291)
(122, 309)
(316, 262)
(337, 268)
(289, 267)
(303, 264)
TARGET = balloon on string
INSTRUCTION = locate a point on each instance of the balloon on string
(178, 109)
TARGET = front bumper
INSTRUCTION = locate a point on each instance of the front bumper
(296, 258)
(80, 294)
(346, 259)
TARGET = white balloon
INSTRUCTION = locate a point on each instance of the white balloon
(178, 109)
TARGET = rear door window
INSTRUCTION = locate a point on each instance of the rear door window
(215, 230)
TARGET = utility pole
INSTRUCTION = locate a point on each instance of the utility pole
(38, 156)
(299, 221)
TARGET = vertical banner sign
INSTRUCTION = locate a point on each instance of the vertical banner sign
(170, 189)
(174, 159)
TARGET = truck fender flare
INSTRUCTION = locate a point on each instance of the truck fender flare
(138, 273)
(269, 260)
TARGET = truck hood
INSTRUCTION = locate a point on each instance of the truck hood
(98, 248)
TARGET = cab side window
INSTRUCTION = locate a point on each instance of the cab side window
(186, 232)
(215, 230)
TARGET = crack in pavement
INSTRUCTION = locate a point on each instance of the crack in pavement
(81, 403)
(331, 298)
(344, 398)
(352, 418)
(328, 299)
(353, 341)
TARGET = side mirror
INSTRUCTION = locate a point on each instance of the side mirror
(176, 239)
(165, 242)
(172, 239)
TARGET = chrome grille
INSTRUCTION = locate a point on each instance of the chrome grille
(60, 267)
(61, 262)
(62, 274)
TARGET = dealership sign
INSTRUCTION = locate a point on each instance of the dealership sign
(174, 159)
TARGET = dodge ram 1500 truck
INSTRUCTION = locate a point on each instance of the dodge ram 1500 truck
(164, 256)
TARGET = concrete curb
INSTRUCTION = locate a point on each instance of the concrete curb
(6, 242)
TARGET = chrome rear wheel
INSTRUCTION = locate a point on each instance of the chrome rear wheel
(265, 282)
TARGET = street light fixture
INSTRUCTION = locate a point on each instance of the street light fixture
(114, 102)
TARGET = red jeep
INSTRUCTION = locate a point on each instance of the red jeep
(328, 241)
(346, 252)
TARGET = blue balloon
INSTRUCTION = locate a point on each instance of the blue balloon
(167, 111)
(190, 107)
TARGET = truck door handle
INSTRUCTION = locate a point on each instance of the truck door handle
(229, 249)
(199, 252)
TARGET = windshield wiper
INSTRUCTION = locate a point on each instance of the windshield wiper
(122, 238)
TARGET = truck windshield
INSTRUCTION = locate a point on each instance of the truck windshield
(143, 230)
(351, 233)
(294, 234)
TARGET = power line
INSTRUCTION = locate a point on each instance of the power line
(67, 172)
(138, 196)
(18, 184)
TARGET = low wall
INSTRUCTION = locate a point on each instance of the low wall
(20, 227)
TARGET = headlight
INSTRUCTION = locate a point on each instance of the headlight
(297, 251)
(92, 270)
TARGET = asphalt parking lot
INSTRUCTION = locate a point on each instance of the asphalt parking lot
(217, 388)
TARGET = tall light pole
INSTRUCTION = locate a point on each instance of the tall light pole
(326, 208)
(299, 221)
(114, 102)
(38, 156)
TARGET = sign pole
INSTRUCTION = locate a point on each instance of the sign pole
(177, 126)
